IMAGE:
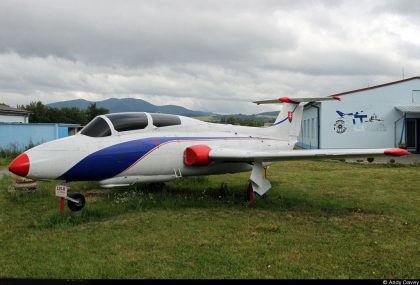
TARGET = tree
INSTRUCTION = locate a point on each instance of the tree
(39, 112)
(44, 114)
(236, 120)
(93, 111)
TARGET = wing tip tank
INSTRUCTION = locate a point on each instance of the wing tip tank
(396, 152)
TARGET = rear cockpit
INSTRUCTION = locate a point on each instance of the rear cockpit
(107, 125)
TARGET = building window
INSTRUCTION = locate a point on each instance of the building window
(307, 128)
(312, 128)
(303, 129)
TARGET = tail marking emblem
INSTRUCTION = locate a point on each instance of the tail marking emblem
(290, 116)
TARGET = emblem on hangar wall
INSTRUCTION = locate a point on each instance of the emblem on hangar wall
(340, 126)
(358, 121)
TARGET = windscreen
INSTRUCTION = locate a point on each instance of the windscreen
(98, 127)
(163, 120)
(128, 121)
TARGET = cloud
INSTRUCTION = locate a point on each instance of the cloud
(210, 55)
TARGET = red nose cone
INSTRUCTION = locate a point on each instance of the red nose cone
(20, 165)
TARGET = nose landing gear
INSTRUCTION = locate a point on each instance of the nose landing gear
(75, 201)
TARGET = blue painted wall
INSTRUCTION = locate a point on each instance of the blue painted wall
(17, 135)
(63, 131)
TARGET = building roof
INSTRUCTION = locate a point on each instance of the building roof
(4, 109)
(409, 108)
(377, 86)
(41, 124)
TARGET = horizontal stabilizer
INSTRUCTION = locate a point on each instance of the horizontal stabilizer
(235, 155)
(296, 100)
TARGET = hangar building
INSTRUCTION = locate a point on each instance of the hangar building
(381, 116)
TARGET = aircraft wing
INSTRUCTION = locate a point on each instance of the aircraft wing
(235, 155)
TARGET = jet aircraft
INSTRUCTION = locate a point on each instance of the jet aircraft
(121, 149)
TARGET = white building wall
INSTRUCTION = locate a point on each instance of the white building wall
(382, 125)
(13, 119)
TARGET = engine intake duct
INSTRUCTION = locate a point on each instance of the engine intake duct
(197, 155)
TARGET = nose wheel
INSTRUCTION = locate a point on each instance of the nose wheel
(75, 201)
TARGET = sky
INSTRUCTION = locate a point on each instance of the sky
(215, 56)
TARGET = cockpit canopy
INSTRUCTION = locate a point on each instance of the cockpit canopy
(164, 120)
(128, 121)
(123, 122)
(98, 127)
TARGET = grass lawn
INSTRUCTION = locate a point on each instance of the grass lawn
(4, 162)
(320, 220)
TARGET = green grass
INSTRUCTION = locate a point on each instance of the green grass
(320, 220)
(4, 162)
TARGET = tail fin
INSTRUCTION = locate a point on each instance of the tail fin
(288, 123)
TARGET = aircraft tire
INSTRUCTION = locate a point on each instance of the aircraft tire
(76, 206)
(250, 193)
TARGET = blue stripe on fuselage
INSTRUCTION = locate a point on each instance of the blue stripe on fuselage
(110, 161)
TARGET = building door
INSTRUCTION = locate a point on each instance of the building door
(413, 135)
(418, 135)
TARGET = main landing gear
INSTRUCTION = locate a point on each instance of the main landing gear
(250, 194)
(258, 182)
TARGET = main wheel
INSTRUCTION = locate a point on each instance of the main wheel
(250, 193)
(76, 206)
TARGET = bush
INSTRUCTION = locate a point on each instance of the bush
(13, 150)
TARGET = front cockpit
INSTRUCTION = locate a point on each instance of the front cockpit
(107, 125)
(98, 127)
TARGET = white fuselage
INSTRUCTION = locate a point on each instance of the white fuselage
(147, 155)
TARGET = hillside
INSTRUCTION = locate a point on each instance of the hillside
(115, 105)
